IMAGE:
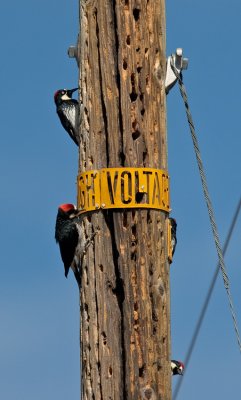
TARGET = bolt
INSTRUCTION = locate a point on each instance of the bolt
(97, 206)
(72, 52)
(103, 205)
(148, 393)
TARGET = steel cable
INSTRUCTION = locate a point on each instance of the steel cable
(206, 303)
(208, 201)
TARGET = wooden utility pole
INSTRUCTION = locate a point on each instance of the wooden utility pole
(125, 305)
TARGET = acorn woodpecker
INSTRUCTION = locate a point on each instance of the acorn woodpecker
(173, 234)
(67, 236)
(177, 367)
(68, 112)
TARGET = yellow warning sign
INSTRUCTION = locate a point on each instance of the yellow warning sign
(123, 188)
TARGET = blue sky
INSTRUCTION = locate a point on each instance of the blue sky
(39, 312)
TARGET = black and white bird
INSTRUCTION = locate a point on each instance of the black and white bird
(69, 112)
(177, 367)
(71, 236)
(173, 235)
(67, 236)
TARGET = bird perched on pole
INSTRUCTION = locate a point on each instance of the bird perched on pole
(71, 237)
(69, 112)
(67, 236)
(177, 367)
(173, 235)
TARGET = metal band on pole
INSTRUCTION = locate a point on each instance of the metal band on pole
(123, 188)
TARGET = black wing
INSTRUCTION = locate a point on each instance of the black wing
(67, 247)
(67, 236)
(68, 113)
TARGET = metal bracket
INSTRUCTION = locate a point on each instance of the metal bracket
(73, 52)
(180, 63)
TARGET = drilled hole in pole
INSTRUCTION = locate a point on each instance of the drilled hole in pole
(133, 230)
(148, 394)
(125, 222)
(136, 13)
(133, 96)
(136, 134)
(139, 197)
(104, 338)
(142, 371)
(124, 64)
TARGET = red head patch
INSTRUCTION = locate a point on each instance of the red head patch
(67, 207)
(182, 365)
(56, 93)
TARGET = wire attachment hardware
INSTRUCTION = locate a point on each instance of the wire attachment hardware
(180, 63)
(73, 52)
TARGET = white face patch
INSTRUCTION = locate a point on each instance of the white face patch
(65, 97)
(71, 216)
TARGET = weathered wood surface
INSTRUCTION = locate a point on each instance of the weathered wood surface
(125, 308)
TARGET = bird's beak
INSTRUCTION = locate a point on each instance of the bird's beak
(71, 91)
